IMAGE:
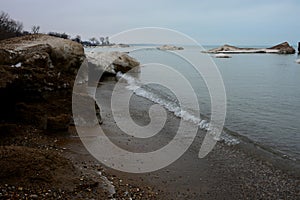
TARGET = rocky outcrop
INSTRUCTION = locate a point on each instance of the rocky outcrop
(169, 48)
(283, 48)
(42, 51)
(37, 75)
(112, 62)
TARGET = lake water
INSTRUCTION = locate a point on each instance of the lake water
(263, 94)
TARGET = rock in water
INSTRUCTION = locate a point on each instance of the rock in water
(284, 48)
(112, 62)
(169, 48)
(298, 61)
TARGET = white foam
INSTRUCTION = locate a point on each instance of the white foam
(135, 86)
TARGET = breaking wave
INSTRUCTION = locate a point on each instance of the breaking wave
(171, 105)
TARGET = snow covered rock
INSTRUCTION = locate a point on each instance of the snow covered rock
(112, 62)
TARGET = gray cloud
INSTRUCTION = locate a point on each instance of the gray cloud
(209, 22)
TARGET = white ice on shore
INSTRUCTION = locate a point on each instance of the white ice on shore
(251, 51)
(222, 55)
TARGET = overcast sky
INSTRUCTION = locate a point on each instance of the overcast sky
(237, 22)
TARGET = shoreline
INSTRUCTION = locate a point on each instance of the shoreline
(263, 152)
(227, 172)
(43, 157)
(275, 158)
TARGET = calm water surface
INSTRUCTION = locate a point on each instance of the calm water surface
(263, 94)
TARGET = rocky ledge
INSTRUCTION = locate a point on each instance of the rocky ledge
(37, 75)
(283, 48)
(36, 86)
(37, 78)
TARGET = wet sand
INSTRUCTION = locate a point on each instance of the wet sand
(228, 172)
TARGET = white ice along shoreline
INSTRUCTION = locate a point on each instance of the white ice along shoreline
(135, 86)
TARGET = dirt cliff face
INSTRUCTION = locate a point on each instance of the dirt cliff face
(37, 75)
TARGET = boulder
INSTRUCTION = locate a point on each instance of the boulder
(112, 62)
(169, 48)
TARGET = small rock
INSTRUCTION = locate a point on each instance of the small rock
(34, 196)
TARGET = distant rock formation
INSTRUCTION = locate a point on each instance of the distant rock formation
(283, 48)
(169, 48)
(112, 62)
(120, 46)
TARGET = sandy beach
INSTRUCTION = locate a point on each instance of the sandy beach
(45, 158)
(160, 100)
(228, 172)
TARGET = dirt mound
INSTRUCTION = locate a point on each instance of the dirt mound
(36, 168)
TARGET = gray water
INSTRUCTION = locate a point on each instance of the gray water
(263, 94)
(263, 99)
